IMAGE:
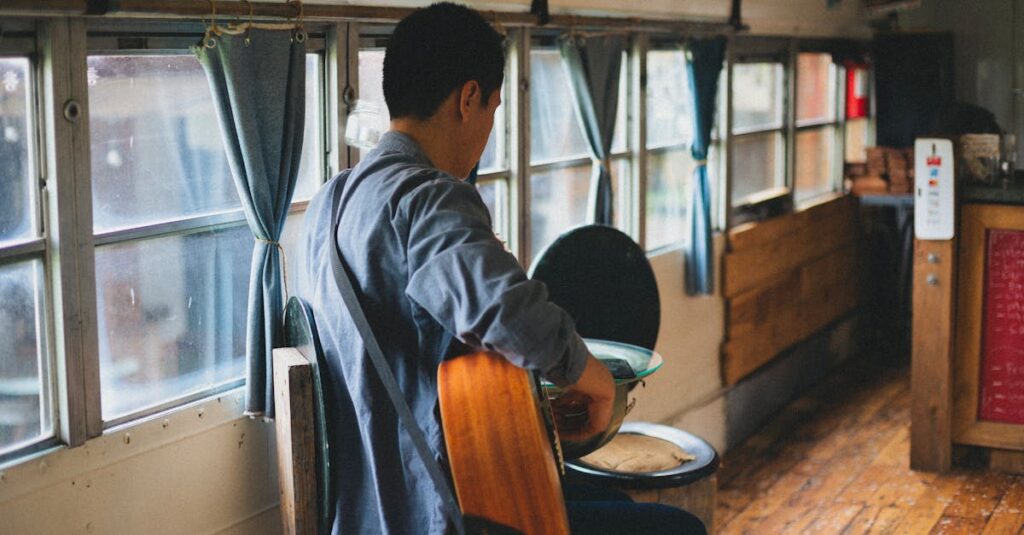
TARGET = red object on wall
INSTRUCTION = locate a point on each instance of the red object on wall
(857, 83)
(1002, 349)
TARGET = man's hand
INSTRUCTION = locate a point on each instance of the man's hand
(585, 409)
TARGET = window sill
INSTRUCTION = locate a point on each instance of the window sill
(58, 464)
(818, 199)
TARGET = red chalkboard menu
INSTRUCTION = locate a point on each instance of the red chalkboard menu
(1002, 357)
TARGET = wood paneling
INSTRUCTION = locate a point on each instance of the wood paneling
(296, 450)
(931, 445)
(785, 279)
(762, 252)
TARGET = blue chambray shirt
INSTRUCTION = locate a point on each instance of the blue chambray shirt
(421, 253)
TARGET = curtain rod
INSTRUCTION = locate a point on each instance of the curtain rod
(201, 8)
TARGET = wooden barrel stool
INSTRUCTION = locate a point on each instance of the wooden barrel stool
(654, 463)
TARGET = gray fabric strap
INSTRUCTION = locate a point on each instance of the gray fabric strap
(348, 294)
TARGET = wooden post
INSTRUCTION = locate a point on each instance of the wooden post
(931, 439)
(296, 446)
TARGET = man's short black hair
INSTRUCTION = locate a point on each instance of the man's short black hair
(435, 51)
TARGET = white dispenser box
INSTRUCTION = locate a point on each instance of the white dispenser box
(934, 207)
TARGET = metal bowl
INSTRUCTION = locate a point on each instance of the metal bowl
(643, 362)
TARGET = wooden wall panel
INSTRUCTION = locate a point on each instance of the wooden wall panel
(759, 256)
(786, 281)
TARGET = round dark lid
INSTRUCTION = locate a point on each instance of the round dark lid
(602, 278)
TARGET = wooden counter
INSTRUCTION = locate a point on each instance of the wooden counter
(968, 356)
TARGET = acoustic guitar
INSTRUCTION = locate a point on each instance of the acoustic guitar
(501, 448)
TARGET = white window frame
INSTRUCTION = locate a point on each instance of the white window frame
(837, 123)
(627, 202)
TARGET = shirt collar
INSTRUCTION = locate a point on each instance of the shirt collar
(393, 141)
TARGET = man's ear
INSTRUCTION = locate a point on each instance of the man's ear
(469, 97)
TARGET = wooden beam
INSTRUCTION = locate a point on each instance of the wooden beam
(931, 444)
(296, 441)
(334, 12)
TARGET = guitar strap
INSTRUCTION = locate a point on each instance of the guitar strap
(348, 295)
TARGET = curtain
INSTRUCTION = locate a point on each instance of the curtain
(704, 58)
(259, 93)
(593, 65)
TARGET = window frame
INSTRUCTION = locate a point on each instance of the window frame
(836, 123)
(22, 41)
(628, 155)
(774, 53)
(111, 38)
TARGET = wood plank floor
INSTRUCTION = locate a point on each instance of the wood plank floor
(836, 460)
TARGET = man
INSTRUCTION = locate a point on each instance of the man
(418, 245)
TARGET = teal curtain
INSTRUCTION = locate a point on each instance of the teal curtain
(593, 65)
(704, 58)
(258, 84)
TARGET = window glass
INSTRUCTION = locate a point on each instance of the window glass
(757, 96)
(668, 99)
(856, 140)
(371, 89)
(757, 164)
(816, 88)
(669, 175)
(558, 202)
(555, 132)
(619, 137)
(171, 316)
(814, 164)
(24, 382)
(495, 157)
(157, 151)
(17, 199)
(495, 195)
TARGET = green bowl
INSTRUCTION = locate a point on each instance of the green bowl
(643, 361)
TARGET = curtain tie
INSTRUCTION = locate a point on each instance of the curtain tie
(284, 264)
(699, 163)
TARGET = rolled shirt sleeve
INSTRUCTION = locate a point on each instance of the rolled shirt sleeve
(461, 274)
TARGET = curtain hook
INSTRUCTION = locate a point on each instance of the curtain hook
(211, 28)
(300, 30)
(248, 27)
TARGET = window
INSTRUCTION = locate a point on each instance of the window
(26, 396)
(560, 162)
(817, 126)
(172, 246)
(670, 166)
(758, 152)
(857, 127)
(493, 176)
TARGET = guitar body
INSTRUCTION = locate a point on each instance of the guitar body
(500, 456)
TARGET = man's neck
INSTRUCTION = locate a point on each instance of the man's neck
(434, 141)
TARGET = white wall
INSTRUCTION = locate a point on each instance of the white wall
(199, 470)
(686, 391)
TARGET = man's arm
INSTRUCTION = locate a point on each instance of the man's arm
(461, 274)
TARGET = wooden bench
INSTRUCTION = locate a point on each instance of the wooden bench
(296, 441)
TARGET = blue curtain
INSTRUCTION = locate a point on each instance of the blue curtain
(259, 91)
(593, 65)
(704, 58)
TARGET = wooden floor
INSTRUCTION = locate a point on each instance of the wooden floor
(836, 461)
